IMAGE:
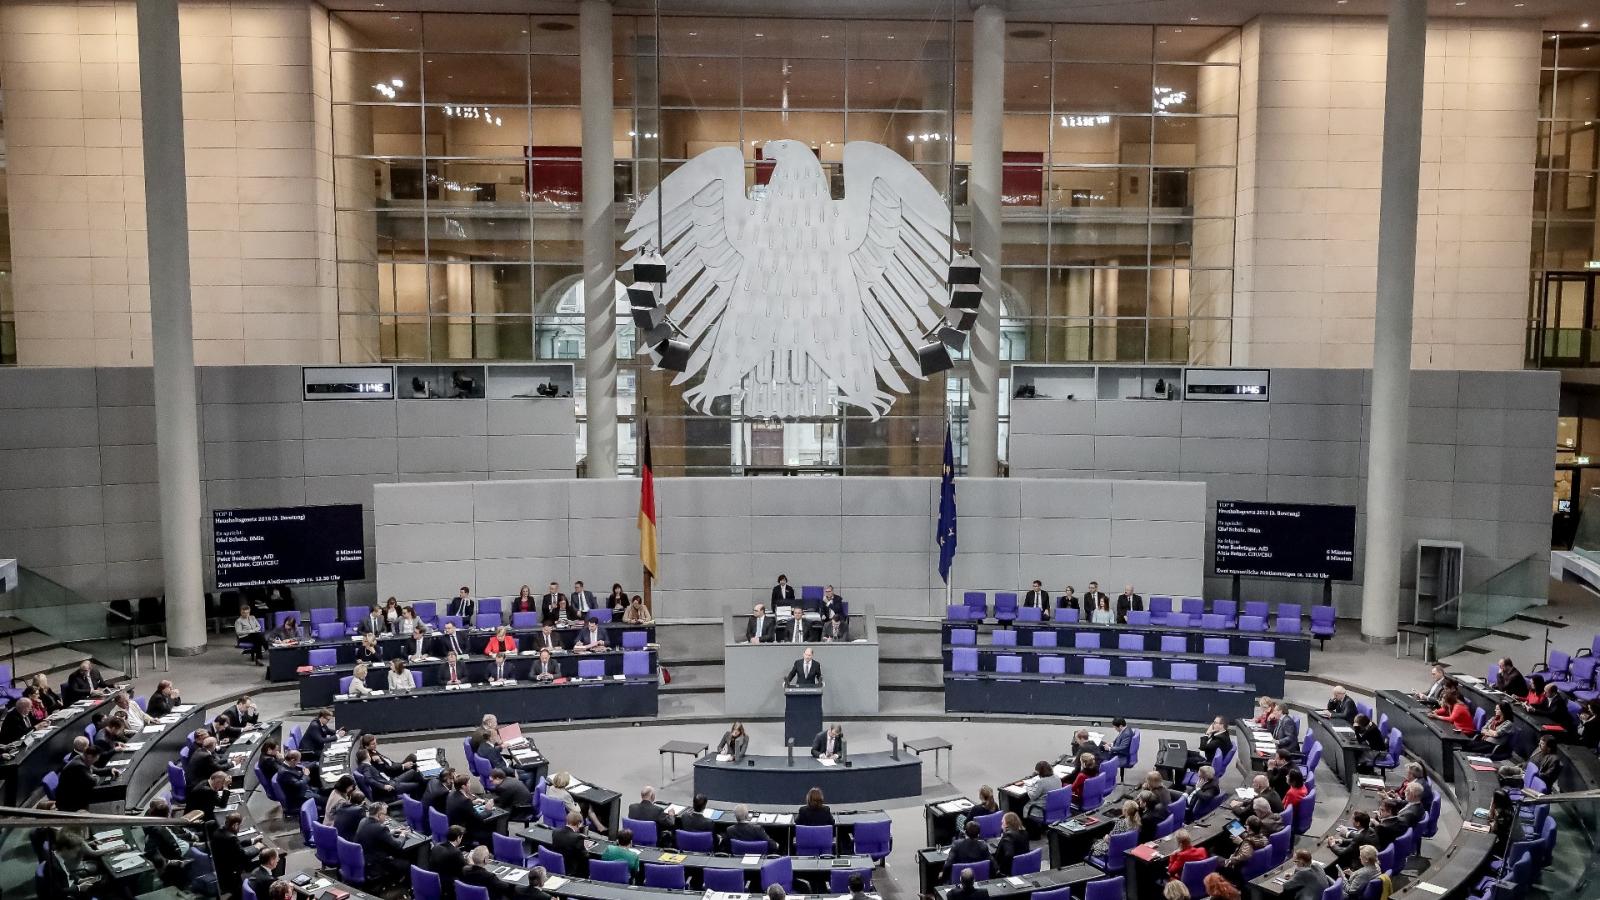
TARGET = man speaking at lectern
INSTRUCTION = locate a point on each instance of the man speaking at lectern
(806, 672)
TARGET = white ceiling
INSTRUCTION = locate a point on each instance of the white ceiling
(1551, 14)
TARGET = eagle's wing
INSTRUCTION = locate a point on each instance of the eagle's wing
(897, 231)
(701, 237)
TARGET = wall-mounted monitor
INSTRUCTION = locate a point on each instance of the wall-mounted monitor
(348, 382)
(288, 545)
(1285, 540)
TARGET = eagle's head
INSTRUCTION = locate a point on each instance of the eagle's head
(794, 159)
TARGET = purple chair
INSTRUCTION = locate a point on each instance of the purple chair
(591, 668)
(1140, 668)
(1027, 863)
(1104, 889)
(427, 611)
(466, 891)
(1292, 610)
(977, 603)
(486, 620)
(1279, 842)
(329, 631)
(980, 871)
(1323, 623)
(813, 840)
(1214, 621)
(321, 659)
(1256, 608)
(424, 884)
(1182, 671)
(353, 614)
(729, 881)
(352, 862)
(611, 871)
(1139, 617)
(1195, 872)
(510, 849)
(964, 659)
(1005, 607)
(1094, 792)
(1194, 606)
(1133, 641)
(956, 612)
(1068, 616)
(695, 841)
(1058, 804)
(635, 640)
(839, 879)
(1392, 757)
(1052, 665)
(635, 663)
(491, 605)
(1003, 637)
(963, 637)
(1044, 638)
(644, 831)
(416, 678)
(1117, 847)
(524, 620)
(990, 826)
(1008, 664)
(1159, 606)
(873, 839)
(1174, 643)
(1215, 646)
(1252, 623)
(1064, 893)
(1086, 640)
(1230, 674)
(1227, 609)
(175, 781)
(1259, 863)
(52, 780)
(278, 618)
(1289, 625)
(748, 848)
(324, 615)
(1024, 614)
(779, 871)
(1095, 666)
(1304, 810)
(553, 862)
(1181, 620)
(327, 845)
(666, 876)
(1261, 650)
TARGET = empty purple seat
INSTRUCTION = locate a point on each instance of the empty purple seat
(1323, 622)
(321, 658)
(1262, 650)
(977, 603)
(591, 668)
(1130, 641)
(1094, 665)
(427, 611)
(636, 663)
(1230, 674)
(1182, 671)
(329, 631)
(1160, 605)
(1215, 646)
(1138, 617)
(524, 620)
(1214, 621)
(964, 659)
(1067, 616)
(1044, 638)
(1140, 668)
(1003, 637)
(1227, 609)
(963, 637)
(1289, 625)
(1181, 620)
(1291, 610)
(1086, 640)
(1255, 608)
(1009, 664)
(1052, 665)
(1030, 614)
(1252, 623)
(1174, 643)
(956, 612)
(1194, 606)
(1005, 607)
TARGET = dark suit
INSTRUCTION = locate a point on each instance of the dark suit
(292, 781)
(1011, 845)
(76, 786)
(693, 821)
(965, 851)
(1511, 682)
(79, 685)
(317, 736)
(1306, 884)
(230, 858)
(383, 850)
(761, 630)
(1040, 599)
(15, 726)
(200, 766)
(961, 892)
(434, 795)
(796, 630)
(540, 642)
(1125, 604)
(650, 812)
(447, 861)
(836, 631)
(806, 675)
(466, 608)
(548, 605)
(347, 819)
(444, 643)
(1342, 709)
(813, 815)
(513, 795)
(782, 595)
(374, 624)
(1090, 602)
(261, 878)
(541, 668)
(819, 746)
(574, 853)
(1287, 734)
(460, 810)
(750, 831)
(478, 876)
(202, 799)
(159, 705)
(1203, 795)
(581, 603)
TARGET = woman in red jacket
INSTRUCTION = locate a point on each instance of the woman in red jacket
(1187, 852)
(502, 642)
(1454, 709)
(1088, 767)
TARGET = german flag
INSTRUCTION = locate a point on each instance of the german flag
(647, 510)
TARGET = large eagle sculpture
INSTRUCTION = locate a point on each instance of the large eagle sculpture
(791, 299)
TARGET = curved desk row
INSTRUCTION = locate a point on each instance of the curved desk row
(319, 686)
(45, 747)
(778, 821)
(813, 870)
(862, 778)
(1341, 749)
(1266, 674)
(1073, 876)
(147, 767)
(1429, 738)
(1076, 695)
(429, 709)
(284, 660)
(1293, 649)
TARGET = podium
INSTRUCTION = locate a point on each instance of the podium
(802, 715)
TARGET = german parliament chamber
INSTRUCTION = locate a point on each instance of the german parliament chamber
(1020, 449)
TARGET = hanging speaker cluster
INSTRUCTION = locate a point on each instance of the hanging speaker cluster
(654, 329)
(954, 327)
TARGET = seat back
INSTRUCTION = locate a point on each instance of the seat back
(1008, 664)
(1230, 674)
(175, 781)
(614, 871)
(1044, 639)
(1194, 606)
(963, 637)
(486, 620)
(1103, 889)
(1304, 810)
(322, 615)
(728, 881)
(438, 825)
(1094, 665)
(635, 662)
(328, 631)
(1195, 872)
(989, 826)
(591, 668)
(1003, 637)
(1289, 625)
(695, 841)
(644, 831)
(466, 891)
(1027, 863)
(1140, 668)
(1058, 804)
(1094, 792)
(779, 871)
(1159, 604)
(873, 838)
(1131, 641)
(1182, 671)
(352, 862)
(1117, 847)
(839, 879)
(1227, 609)
(635, 639)
(1261, 650)
(747, 848)
(1005, 602)
(964, 659)
(813, 840)
(1255, 608)
(1139, 617)
(552, 811)
(980, 870)
(957, 612)
(509, 849)
(524, 620)
(1252, 623)
(1174, 643)
(424, 884)
(327, 844)
(1279, 842)
(1086, 640)
(1215, 646)
(1024, 614)
(553, 862)
(1213, 621)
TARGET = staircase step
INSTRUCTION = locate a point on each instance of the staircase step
(1540, 620)
(919, 675)
(694, 680)
(13, 625)
(51, 661)
(26, 642)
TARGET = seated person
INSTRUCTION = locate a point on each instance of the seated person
(385, 853)
(637, 613)
(453, 672)
(622, 850)
(837, 630)
(1206, 789)
(1340, 706)
(1187, 852)
(358, 681)
(500, 669)
(967, 849)
(451, 641)
(1129, 819)
(546, 639)
(1297, 789)
(368, 650)
(464, 810)
(796, 629)
(647, 810)
(417, 646)
(761, 628)
(590, 639)
(743, 829)
(400, 679)
(511, 794)
(1347, 840)
(350, 816)
(1217, 738)
(478, 872)
(544, 668)
(502, 642)
(815, 811)
(1013, 842)
(447, 858)
(1455, 710)
(829, 744)
(694, 818)
(734, 742)
(1249, 842)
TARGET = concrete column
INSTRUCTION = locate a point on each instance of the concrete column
(1391, 350)
(599, 238)
(171, 324)
(983, 197)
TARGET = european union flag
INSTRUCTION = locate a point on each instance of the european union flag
(945, 532)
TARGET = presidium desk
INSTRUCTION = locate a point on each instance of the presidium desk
(862, 778)
(755, 672)
(528, 702)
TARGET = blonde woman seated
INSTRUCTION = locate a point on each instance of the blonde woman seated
(399, 676)
(1128, 821)
(558, 788)
(358, 681)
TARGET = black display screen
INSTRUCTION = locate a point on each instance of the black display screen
(288, 545)
(1285, 540)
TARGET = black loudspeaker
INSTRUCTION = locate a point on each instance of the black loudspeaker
(968, 319)
(650, 267)
(934, 358)
(964, 296)
(964, 270)
(648, 317)
(671, 355)
(954, 338)
(642, 294)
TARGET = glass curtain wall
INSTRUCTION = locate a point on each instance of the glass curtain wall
(459, 187)
(1566, 226)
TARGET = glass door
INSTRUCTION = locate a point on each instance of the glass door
(1566, 320)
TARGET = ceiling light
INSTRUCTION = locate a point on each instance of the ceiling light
(1194, 18)
(397, 82)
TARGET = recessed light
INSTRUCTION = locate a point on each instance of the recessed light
(1461, 2)
(1194, 18)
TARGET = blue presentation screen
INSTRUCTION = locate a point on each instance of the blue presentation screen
(288, 545)
(1285, 540)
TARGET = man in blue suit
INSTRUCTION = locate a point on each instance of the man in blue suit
(1121, 746)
